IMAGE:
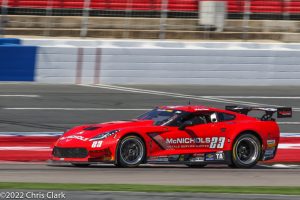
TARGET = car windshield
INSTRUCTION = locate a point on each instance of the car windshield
(162, 116)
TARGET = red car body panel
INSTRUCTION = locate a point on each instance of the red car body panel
(164, 141)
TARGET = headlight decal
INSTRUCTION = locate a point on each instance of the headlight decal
(104, 135)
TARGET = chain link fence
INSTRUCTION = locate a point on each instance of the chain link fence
(163, 19)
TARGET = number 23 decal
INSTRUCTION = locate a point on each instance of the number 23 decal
(217, 142)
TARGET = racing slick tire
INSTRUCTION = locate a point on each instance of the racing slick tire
(246, 151)
(131, 152)
(196, 165)
(80, 164)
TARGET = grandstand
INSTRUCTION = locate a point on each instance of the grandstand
(234, 6)
(142, 19)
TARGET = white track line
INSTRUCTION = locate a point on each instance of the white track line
(289, 146)
(289, 134)
(18, 95)
(83, 109)
(284, 166)
(30, 132)
(30, 148)
(60, 133)
(251, 97)
(113, 109)
(178, 95)
(25, 148)
(288, 123)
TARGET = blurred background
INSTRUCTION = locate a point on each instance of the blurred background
(154, 19)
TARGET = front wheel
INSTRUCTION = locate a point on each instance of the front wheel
(131, 152)
(246, 151)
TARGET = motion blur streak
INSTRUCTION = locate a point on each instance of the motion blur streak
(38, 148)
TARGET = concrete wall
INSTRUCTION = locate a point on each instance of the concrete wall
(155, 62)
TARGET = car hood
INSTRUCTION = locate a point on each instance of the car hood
(92, 130)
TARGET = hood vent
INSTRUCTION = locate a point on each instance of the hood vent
(91, 128)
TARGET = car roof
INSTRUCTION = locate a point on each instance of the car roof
(191, 108)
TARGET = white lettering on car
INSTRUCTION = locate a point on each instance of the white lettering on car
(214, 142)
(78, 137)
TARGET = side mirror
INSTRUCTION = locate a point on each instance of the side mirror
(185, 124)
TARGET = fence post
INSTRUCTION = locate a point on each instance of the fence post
(163, 19)
(128, 14)
(286, 13)
(3, 19)
(246, 19)
(48, 20)
(85, 18)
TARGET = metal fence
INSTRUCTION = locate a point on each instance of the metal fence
(163, 19)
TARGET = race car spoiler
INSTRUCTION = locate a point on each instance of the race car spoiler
(282, 112)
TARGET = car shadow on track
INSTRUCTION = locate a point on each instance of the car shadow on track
(159, 166)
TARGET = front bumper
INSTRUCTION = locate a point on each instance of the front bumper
(81, 155)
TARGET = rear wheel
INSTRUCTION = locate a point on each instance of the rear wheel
(131, 152)
(246, 151)
(196, 165)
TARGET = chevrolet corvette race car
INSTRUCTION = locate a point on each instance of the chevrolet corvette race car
(190, 135)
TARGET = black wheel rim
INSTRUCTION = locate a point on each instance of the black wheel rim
(247, 151)
(131, 151)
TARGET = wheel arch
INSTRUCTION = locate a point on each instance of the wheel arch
(255, 133)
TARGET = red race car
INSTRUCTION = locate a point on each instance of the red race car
(190, 135)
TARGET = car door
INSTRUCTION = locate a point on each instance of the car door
(209, 134)
(191, 139)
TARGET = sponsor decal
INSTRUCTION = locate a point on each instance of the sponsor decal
(158, 159)
(270, 152)
(271, 143)
(213, 143)
(181, 158)
(201, 109)
(210, 157)
(78, 137)
(163, 110)
(172, 107)
(188, 141)
(197, 157)
(215, 156)
(220, 155)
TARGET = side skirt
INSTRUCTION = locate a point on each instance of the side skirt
(220, 157)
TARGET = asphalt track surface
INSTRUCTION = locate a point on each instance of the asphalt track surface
(60, 107)
(213, 175)
(52, 108)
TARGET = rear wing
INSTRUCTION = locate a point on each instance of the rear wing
(282, 112)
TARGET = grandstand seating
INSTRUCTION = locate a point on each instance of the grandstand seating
(234, 6)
